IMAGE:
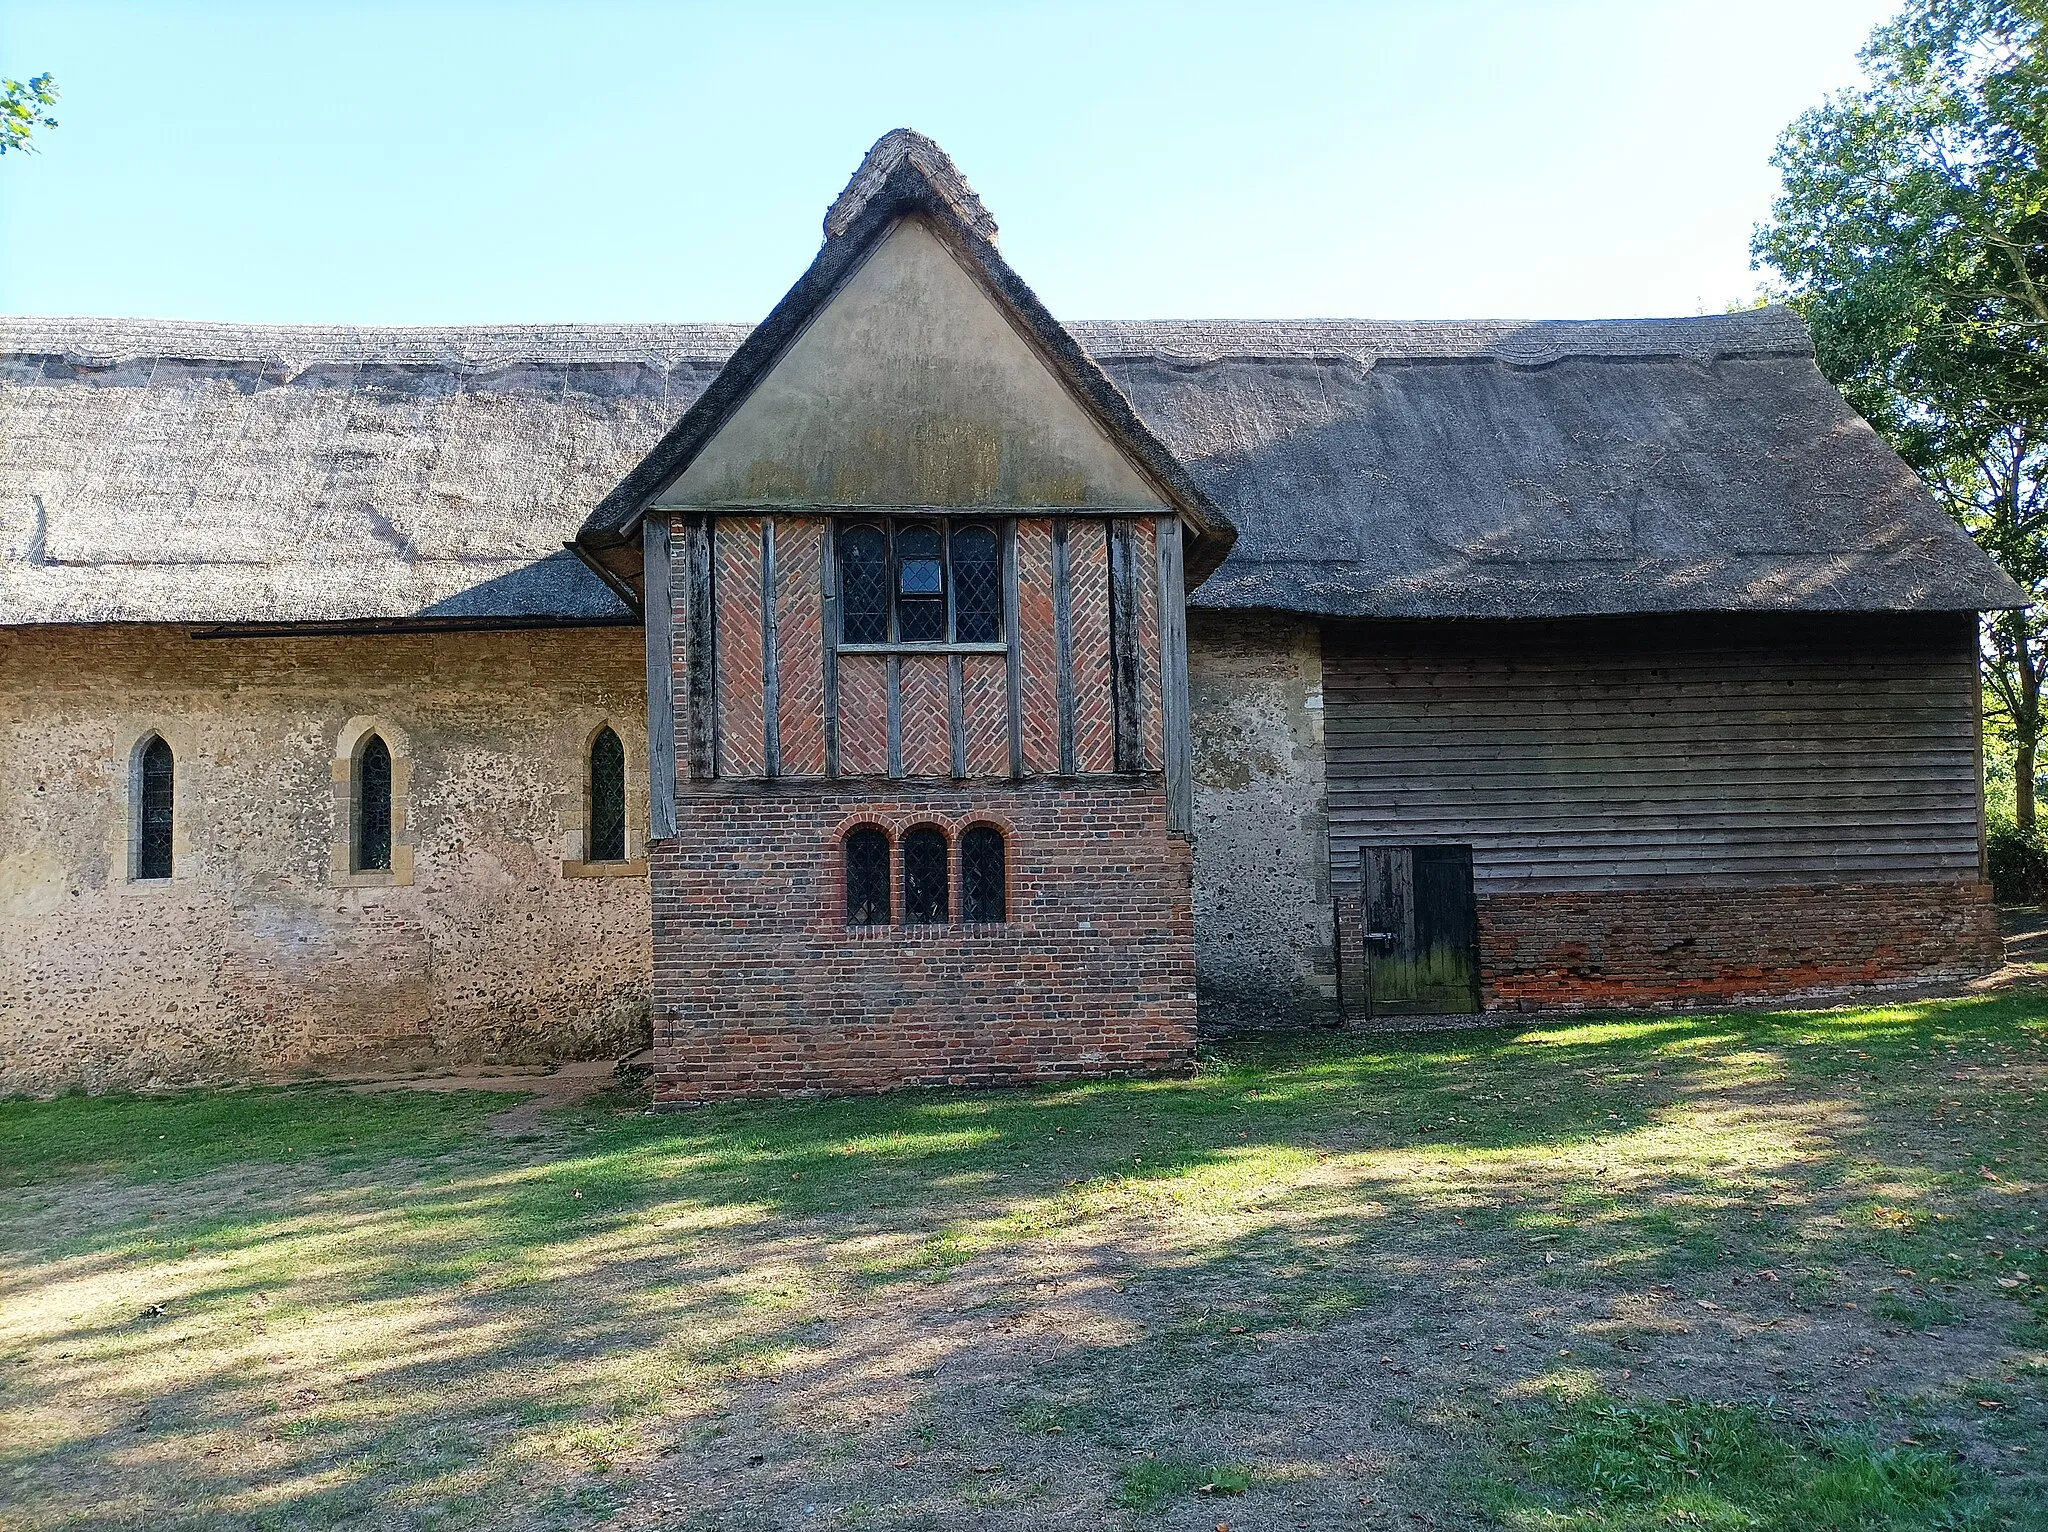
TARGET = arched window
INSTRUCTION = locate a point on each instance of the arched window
(984, 892)
(924, 876)
(920, 586)
(867, 877)
(155, 809)
(607, 798)
(373, 806)
(977, 585)
(863, 585)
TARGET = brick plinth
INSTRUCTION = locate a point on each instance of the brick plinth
(761, 988)
(1682, 946)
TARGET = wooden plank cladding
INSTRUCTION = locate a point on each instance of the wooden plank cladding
(1659, 752)
(1068, 680)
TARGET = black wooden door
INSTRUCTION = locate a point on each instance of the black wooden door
(1421, 931)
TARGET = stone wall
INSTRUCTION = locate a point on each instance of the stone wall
(1263, 937)
(262, 954)
(1703, 946)
(1092, 974)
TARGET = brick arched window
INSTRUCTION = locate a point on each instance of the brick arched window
(373, 806)
(984, 876)
(155, 808)
(925, 876)
(866, 850)
(607, 797)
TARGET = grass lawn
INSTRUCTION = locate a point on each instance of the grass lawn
(1743, 1271)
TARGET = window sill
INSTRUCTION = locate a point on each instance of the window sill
(998, 647)
(574, 869)
(371, 880)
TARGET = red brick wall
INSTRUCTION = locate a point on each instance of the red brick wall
(761, 988)
(1676, 946)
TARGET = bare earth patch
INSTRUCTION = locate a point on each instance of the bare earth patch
(1328, 1282)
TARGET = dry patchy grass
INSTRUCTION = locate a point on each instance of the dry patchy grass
(1726, 1271)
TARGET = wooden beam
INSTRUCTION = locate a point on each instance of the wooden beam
(661, 680)
(1063, 642)
(703, 608)
(1173, 679)
(895, 664)
(1013, 638)
(828, 578)
(771, 658)
(1127, 670)
(956, 712)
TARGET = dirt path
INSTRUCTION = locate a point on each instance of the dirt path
(550, 1087)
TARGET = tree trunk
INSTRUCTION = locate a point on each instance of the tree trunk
(2026, 731)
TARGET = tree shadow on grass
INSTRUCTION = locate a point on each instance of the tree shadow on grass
(433, 1339)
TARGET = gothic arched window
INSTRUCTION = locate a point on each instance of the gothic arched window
(607, 798)
(984, 881)
(924, 876)
(155, 809)
(373, 806)
(867, 877)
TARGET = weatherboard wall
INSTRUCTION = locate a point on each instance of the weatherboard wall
(1600, 768)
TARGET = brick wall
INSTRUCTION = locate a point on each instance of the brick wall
(1677, 946)
(761, 987)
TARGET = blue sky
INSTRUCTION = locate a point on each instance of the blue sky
(445, 162)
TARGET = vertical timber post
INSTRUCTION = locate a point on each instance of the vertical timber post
(659, 618)
(1173, 679)
(1012, 620)
(1128, 665)
(703, 654)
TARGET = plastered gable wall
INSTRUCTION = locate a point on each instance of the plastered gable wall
(252, 959)
(1263, 926)
(911, 388)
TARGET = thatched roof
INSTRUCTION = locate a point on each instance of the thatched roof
(154, 471)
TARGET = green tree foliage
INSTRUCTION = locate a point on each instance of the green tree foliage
(23, 109)
(1912, 234)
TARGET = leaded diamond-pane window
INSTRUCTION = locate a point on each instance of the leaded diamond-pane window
(984, 890)
(863, 585)
(373, 807)
(924, 876)
(920, 586)
(867, 877)
(607, 798)
(977, 585)
(153, 823)
(920, 582)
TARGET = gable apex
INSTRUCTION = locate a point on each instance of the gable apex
(905, 175)
(931, 165)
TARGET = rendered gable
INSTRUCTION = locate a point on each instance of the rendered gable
(911, 388)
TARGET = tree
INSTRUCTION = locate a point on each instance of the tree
(1911, 232)
(23, 109)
